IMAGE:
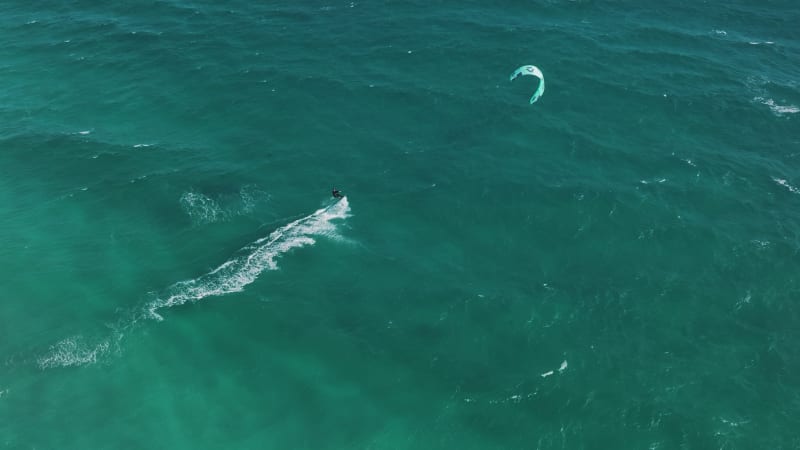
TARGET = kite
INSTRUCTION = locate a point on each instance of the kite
(533, 71)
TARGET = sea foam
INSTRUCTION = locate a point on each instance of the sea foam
(232, 276)
(786, 184)
(73, 351)
(777, 109)
(201, 208)
(241, 270)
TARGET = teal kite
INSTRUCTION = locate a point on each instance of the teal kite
(533, 71)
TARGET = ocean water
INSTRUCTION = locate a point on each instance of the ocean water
(614, 267)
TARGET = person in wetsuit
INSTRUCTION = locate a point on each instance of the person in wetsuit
(336, 194)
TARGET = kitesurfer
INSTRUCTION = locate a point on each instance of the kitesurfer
(336, 194)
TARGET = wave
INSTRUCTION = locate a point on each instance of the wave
(758, 85)
(261, 255)
(786, 184)
(201, 208)
(777, 109)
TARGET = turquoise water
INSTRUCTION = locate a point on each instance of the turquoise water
(613, 267)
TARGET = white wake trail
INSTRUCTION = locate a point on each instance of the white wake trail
(231, 276)
(261, 255)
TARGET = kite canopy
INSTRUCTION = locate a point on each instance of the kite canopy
(533, 71)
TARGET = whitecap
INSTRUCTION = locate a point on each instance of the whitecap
(777, 109)
(204, 210)
(734, 423)
(201, 208)
(250, 195)
(786, 184)
(73, 351)
(743, 301)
